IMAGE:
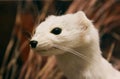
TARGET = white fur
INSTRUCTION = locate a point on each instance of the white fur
(79, 34)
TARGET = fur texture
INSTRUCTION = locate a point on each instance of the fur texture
(76, 47)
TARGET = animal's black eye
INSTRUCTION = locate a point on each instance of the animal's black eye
(56, 31)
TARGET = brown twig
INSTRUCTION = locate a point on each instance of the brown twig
(47, 4)
(116, 36)
(74, 6)
(24, 68)
(47, 68)
(110, 51)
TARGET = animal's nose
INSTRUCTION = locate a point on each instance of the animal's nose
(33, 43)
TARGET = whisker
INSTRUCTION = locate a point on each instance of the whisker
(73, 52)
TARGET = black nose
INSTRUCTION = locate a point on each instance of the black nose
(33, 43)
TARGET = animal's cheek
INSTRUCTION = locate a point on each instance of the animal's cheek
(58, 41)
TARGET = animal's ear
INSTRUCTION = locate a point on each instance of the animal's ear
(81, 15)
(82, 19)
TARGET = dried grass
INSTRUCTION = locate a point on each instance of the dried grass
(20, 62)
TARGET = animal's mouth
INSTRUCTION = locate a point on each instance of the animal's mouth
(41, 50)
(44, 50)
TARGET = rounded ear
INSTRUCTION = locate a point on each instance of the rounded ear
(81, 15)
(82, 19)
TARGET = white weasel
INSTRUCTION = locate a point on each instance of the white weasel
(75, 42)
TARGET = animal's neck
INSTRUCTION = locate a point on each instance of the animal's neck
(94, 67)
(74, 65)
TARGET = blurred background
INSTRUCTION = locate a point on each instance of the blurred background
(18, 18)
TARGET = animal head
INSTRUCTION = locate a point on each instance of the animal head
(70, 31)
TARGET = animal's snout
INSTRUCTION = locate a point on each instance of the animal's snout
(33, 43)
